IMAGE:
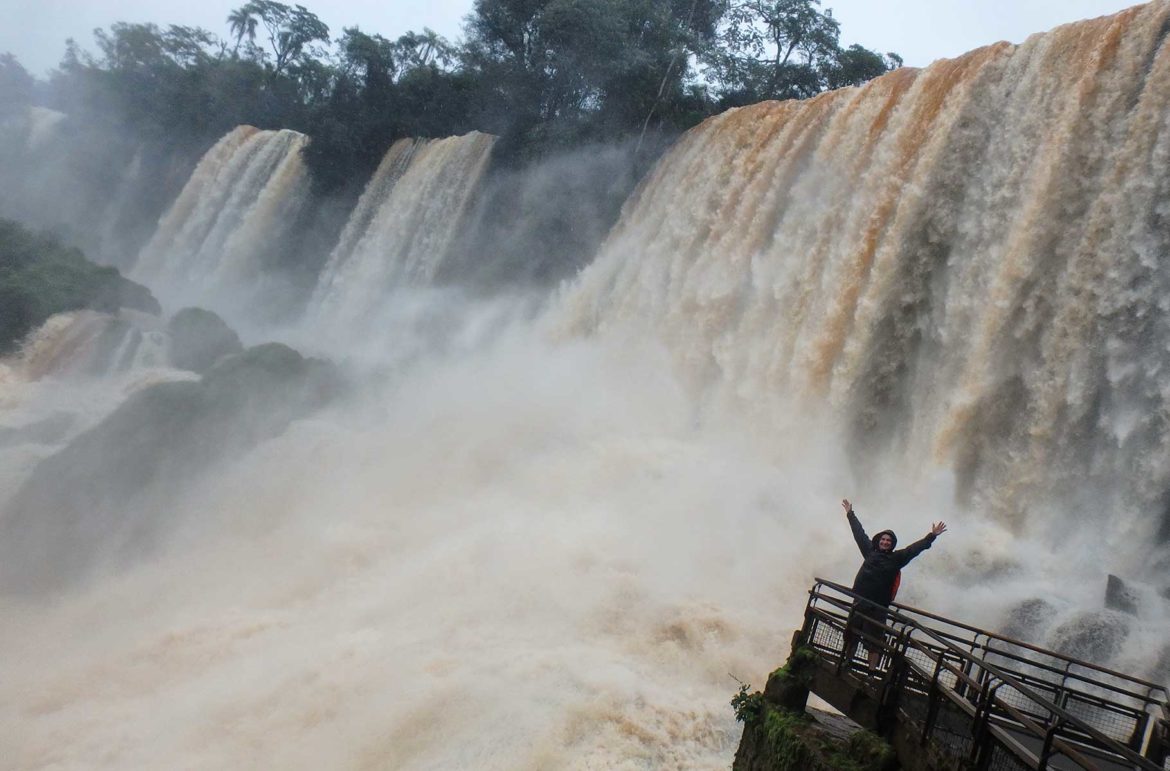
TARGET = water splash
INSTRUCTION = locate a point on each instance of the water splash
(91, 344)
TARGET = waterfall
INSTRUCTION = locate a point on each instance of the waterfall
(89, 343)
(228, 220)
(968, 260)
(404, 225)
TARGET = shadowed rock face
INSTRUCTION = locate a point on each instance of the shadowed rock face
(1028, 619)
(199, 338)
(106, 497)
(1120, 597)
(1095, 636)
(124, 293)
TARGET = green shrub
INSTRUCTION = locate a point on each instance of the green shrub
(748, 706)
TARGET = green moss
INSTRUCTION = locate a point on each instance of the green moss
(788, 741)
(866, 751)
(798, 668)
(782, 740)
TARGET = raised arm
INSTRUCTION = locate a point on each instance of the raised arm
(863, 542)
(916, 548)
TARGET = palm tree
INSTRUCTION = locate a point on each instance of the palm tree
(242, 22)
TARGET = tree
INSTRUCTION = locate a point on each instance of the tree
(242, 24)
(424, 49)
(786, 49)
(16, 85)
(371, 58)
(856, 65)
(290, 29)
(560, 71)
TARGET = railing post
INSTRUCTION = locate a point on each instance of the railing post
(968, 667)
(932, 699)
(891, 692)
(1159, 748)
(1046, 750)
(1137, 739)
(1060, 698)
(981, 730)
(806, 629)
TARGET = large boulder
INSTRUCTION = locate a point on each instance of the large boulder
(199, 338)
(1120, 597)
(1095, 636)
(120, 292)
(1160, 673)
(1028, 620)
(108, 497)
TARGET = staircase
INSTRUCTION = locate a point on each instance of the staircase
(950, 696)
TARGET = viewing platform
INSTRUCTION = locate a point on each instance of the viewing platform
(947, 695)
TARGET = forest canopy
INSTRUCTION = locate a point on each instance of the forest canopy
(544, 75)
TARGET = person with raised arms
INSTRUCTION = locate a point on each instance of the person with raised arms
(877, 582)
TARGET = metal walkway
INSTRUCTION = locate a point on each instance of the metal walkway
(953, 696)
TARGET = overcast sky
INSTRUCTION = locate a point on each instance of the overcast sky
(920, 30)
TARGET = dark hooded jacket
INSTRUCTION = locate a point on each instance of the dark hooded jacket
(875, 579)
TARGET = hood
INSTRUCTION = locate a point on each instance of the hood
(878, 536)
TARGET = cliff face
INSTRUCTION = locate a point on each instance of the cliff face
(781, 740)
(781, 734)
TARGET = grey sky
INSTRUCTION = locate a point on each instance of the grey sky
(920, 30)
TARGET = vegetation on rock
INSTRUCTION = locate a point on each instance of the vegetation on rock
(779, 735)
(39, 277)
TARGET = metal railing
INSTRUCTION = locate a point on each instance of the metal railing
(989, 700)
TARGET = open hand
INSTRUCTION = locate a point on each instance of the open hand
(845, 504)
(938, 528)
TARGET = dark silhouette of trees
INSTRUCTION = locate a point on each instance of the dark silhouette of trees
(17, 87)
(786, 49)
(290, 29)
(544, 75)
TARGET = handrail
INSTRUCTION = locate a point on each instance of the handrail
(1005, 679)
(1047, 737)
(1021, 644)
(1063, 672)
(1020, 717)
(1146, 684)
(1003, 676)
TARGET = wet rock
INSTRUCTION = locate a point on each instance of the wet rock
(200, 338)
(1095, 636)
(1120, 597)
(120, 292)
(1028, 620)
(108, 497)
(1161, 671)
